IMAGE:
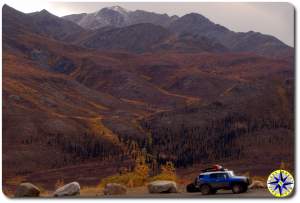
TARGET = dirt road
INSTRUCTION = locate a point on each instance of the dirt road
(143, 193)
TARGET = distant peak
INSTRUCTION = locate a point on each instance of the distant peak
(196, 15)
(7, 7)
(118, 9)
(44, 11)
(174, 17)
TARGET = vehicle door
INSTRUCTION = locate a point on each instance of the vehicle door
(213, 180)
(222, 180)
(219, 180)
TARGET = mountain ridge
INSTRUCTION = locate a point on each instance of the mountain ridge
(121, 16)
(195, 25)
(192, 23)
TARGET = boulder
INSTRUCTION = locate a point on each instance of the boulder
(114, 189)
(70, 189)
(256, 184)
(27, 190)
(162, 186)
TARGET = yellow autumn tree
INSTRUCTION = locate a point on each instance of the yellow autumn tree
(168, 169)
(137, 177)
(168, 172)
(141, 168)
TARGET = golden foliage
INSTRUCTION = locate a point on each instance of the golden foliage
(140, 175)
(168, 168)
(137, 177)
(129, 179)
(163, 176)
(168, 172)
(15, 180)
(59, 183)
(88, 191)
(141, 168)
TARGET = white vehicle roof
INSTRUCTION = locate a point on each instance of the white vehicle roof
(212, 172)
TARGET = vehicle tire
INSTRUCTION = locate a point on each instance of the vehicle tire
(192, 188)
(205, 189)
(237, 188)
(245, 188)
(213, 191)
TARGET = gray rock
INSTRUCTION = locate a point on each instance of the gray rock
(14, 97)
(63, 65)
(27, 190)
(162, 186)
(41, 57)
(70, 189)
(114, 189)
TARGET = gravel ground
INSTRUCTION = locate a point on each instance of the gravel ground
(142, 192)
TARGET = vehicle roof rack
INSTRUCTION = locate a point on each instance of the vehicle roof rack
(214, 168)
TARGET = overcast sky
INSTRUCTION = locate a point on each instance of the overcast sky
(276, 19)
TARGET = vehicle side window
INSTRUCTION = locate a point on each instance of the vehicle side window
(219, 176)
(214, 175)
(223, 176)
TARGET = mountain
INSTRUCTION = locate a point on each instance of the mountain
(144, 37)
(115, 28)
(193, 24)
(41, 22)
(119, 17)
(246, 42)
(51, 25)
(135, 38)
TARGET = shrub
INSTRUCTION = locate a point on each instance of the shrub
(132, 179)
(129, 179)
(163, 176)
(59, 183)
(140, 175)
(168, 172)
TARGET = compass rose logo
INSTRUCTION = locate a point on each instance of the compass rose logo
(280, 183)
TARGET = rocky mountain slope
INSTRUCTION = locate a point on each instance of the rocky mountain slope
(117, 16)
(239, 42)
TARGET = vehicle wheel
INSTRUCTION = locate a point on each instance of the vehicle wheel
(192, 188)
(213, 191)
(237, 188)
(245, 188)
(205, 189)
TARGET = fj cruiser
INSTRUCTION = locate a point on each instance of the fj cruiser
(215, 178)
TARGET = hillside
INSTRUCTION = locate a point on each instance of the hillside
(76, 99)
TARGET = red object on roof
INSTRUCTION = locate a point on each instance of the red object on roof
(217, 167)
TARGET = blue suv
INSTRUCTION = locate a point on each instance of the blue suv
(209, 182)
